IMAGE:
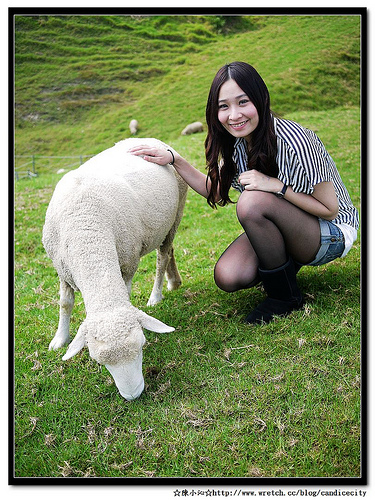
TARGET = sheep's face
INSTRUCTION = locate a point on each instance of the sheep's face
(128, 377)
(123, 361)
(116, 341)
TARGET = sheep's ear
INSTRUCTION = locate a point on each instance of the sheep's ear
(76, 344)
(153, 324)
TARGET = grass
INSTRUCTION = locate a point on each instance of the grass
(222, 399)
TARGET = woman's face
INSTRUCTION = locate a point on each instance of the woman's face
(237, 113)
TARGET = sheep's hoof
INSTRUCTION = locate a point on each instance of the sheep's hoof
(58, 342)
(174, 284)
(154, 299)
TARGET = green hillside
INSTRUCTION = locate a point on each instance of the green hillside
(79, 80)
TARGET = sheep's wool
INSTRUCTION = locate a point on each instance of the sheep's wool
(103, 217)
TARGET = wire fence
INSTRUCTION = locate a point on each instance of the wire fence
(34, 165)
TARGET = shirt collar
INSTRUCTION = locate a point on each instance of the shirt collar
(238, 141)
(240, 149)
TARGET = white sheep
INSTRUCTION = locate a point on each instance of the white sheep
(192, 128)
(102, 218)
(133, 126)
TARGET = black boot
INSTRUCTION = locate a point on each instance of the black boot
(283, 294)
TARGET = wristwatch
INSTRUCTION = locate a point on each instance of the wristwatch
(281, 194)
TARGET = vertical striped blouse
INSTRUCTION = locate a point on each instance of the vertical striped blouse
(303, 162)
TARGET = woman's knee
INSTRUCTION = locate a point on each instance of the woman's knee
(252, 205)
(233, 278)
(224, 279)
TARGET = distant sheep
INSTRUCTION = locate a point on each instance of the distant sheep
(102, 218)
(192, 128)
(133, 126)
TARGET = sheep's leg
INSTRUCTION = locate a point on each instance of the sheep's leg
(173, 276)
(66, 305)
(162, 259)
(128, 278)
(128, 284)
(165, 264)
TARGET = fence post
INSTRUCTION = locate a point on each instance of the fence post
(33, 162)
(80, 160)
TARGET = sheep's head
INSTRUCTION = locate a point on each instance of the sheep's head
(115, 340)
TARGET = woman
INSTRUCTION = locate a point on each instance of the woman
(293, 207)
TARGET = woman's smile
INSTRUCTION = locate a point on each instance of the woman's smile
(237, 126)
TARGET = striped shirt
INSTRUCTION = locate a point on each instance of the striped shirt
(303, 162)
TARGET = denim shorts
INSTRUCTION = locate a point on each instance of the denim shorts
(332, 243)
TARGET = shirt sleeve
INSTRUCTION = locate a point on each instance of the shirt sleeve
(303, 160)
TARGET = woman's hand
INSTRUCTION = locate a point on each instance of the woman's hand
(253, 180)
(153, 155)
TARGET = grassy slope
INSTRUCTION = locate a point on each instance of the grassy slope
(84, 100)
(221, 399)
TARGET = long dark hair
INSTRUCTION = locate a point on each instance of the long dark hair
(219, 142)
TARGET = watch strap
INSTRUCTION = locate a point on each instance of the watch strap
(281, 194)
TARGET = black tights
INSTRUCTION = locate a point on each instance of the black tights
(274, 230)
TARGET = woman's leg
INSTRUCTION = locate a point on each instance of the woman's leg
(277, 229)
(278, 233)
(291, 232)
(237, 268)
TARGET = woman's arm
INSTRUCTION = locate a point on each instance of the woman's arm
(196, 179)
(193, 177)
(321, 203)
